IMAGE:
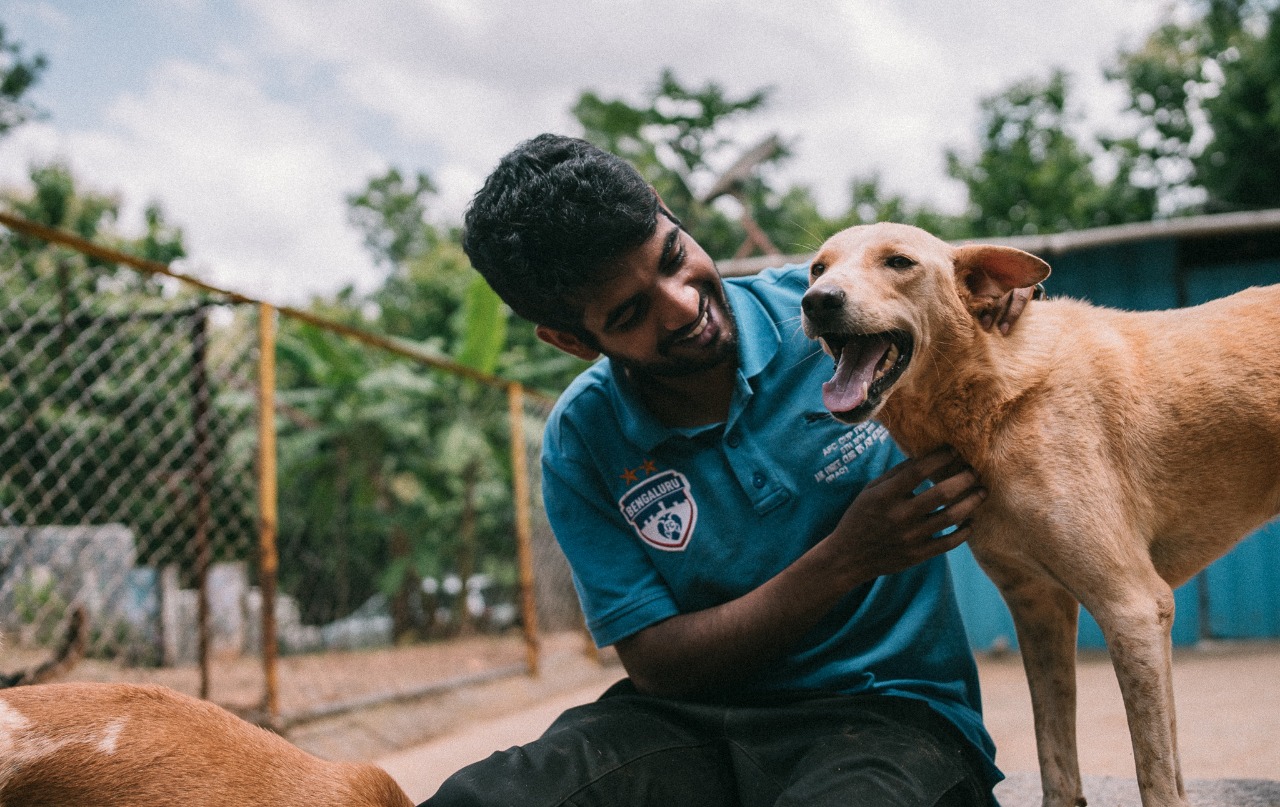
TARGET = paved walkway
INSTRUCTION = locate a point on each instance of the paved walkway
(1228, 726)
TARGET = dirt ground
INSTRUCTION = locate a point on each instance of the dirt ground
(405, 677)
(1228, 701)
(1228, 707)
(1228, 698)
(410, 694)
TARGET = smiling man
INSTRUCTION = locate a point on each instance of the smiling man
(771, 578)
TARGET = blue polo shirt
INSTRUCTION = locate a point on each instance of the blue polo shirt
(659, 521)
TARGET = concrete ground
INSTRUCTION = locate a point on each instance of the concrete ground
(1228, 699)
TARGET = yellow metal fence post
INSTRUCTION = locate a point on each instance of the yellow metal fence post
(524, 528)
(268, 516)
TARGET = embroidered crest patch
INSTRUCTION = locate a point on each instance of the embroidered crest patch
(662, 510)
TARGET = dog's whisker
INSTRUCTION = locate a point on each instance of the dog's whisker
(815, 354)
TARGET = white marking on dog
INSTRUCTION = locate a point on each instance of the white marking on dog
(11, 723)
(111, 737)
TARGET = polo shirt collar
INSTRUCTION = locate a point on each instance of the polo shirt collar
(758, 342)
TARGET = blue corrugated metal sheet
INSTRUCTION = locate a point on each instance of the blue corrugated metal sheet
(1243, 587)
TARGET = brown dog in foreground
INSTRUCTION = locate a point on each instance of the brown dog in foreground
(1123, 452)
(121, 745)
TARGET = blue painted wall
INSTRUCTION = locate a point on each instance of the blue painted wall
(1242, 589)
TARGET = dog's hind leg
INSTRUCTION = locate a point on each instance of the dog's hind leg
(1136, 621)
(1046, 617)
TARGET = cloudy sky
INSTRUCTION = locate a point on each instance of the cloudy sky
(250, 120)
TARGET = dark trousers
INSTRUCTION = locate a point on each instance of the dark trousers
(631, 750)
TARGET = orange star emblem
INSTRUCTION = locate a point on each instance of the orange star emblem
(629, 475)
(649, 467)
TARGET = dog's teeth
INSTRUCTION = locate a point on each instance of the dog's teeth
(890, 356)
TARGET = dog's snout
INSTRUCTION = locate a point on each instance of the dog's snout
(822, 300)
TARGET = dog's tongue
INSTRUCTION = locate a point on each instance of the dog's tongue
(855, 366)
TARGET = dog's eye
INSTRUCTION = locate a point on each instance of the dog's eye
(816, 270)
(899, 262)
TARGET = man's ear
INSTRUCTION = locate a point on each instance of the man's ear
(567, 342)
(989, 272)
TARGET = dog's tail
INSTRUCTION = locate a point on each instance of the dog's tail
(64, 658)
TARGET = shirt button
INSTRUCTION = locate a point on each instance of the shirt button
(734, 441)
(758, 479)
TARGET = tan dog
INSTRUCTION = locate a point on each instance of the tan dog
(120, 745)
(1123, 452)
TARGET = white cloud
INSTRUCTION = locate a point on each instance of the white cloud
(256, 184)
(253, 151)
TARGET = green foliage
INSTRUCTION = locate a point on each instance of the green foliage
(485, 328)
(40, 608)
(869, 203)
(391, 472)
(1032, 175)
(1203, 90)
(56, 200)
(673, 138)
(391, 214)
(1240, 166)
(18, 74)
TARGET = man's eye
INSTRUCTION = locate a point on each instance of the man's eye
(673, 264)
(626, 320)
(899, 262)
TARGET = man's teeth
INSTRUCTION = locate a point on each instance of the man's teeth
(702, 326)
(890, 356)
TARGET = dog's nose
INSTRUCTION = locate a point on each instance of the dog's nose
(822, 300)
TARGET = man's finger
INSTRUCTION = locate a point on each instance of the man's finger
(908, 475)
(957, 513)
(1017, 302)
(946, 492)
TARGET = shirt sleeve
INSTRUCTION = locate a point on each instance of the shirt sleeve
(619, 587)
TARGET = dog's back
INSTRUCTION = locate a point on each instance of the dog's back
(1184, 404)
(106, 744)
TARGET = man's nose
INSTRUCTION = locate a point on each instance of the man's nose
(680, 304)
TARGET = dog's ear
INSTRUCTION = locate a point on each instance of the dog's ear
(989, 272)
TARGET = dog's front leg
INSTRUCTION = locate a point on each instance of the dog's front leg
(1046, 616)
(1136, 622)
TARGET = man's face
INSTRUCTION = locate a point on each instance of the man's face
(662, 309)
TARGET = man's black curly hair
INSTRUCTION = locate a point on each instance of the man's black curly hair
(548, 221)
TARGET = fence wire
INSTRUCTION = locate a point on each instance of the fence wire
(129, 488)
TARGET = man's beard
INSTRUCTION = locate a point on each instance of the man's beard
(726, 349)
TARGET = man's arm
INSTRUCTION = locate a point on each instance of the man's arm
(885, 530)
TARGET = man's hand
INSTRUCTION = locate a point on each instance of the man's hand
(889, 528)
(1005, 311)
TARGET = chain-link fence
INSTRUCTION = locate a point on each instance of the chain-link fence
(376, 530)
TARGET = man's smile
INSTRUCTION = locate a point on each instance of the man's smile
(703, 331)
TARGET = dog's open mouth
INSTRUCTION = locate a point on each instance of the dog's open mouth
(866, 366)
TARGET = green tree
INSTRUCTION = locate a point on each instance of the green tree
(869, 202)
(391, 214)
(56, 200)
(1203, 90)
(102, 371)
(18, 74)
(1240, 166)
(674, 138)
(395, 472)
(1032, 175)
